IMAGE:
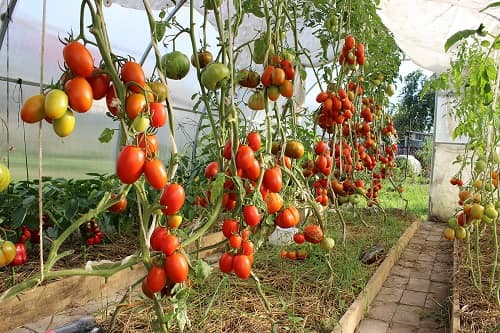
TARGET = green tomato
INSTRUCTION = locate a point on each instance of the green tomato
(452, 222)
(214, 75)
(175, 65)
(140, 123)
(327, 243)
(331, 23)
(480, 166)
(55, 104)
(64, 125)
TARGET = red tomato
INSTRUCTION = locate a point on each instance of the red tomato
(226, 152)
(211, 169)
(79, 59)
(253, 171)
(158, 238)
(245, 234)
(251, 215)
(273, 179)
(320, 147)
(229, 227)
(110, 97)
(242, 266)
(130, 164)
(177, 267)
(170, 245)
(156, 279)
(299, 238)
(226, 263)
(313, 233)
(350, 42)
(254, 140)
(173, 197)
(79, 93)
(244, 157)
(132, 72)
(100, 84)
(149, 143)
(158, 115)
(247, 248)
(288, 217)
(274, 202)
(120, 206)
(156, 173)
(235, 241)
(21, 255)
(266, 77)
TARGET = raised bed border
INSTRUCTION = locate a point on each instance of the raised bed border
(354, 314)
(75, 291)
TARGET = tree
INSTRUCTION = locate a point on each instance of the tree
(415, 110)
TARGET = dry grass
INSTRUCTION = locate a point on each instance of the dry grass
(478, 311)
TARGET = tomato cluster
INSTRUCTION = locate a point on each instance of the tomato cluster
(352, 54)
(93, 233)
(240, 257)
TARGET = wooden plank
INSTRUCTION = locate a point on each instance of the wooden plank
(76, 291)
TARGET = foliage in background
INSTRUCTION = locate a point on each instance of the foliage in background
(415, 110)
(424, 155)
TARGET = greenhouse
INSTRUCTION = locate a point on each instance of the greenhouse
(249, 166)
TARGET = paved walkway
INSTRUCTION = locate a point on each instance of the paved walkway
(414, 297)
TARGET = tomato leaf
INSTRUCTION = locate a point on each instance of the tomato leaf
(457, 36)
(70, 208)
(18, 217)
(491, 5)
(106, 135)
(201, 271)
(253, 7)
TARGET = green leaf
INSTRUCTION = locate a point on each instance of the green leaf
(201, 271)
(18, 217)
(457, 36)
(253, 7)
(70, 208)
(106, 135)
(217, 188)
(496, 43)
(485, 43)
(491, 5)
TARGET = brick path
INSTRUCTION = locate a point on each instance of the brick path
(413, 299)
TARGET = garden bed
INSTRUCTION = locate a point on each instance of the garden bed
(474, 312)
(303, 295)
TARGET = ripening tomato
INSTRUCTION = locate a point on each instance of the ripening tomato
(99, 83)
(226, 152)
(158, 238)
(135, 104)
(172, 198)
(242, 266)
(149, 143)
(229, 227)
(78, 59)
(244, 157)
(320, 147)
(132, 72)
(156, 173)
(120, 206)
(7, 252)
(251, 215)
(64, 126)
(286, 89)
(158, 115)
(294, 149)
(55, 104)
(226, 263)
(111, 100)
(254, 140)
(145, 290)
(170, 244)
(273, 179)
(211, 169)
(80, 94)
(313, 233)
(288, 217)
(266, 77)
(130, 164)
(174, 221)
(253, 171)
(177, 267)
(33, 109)
(274, 202)
(156, 279)
(278, 76)
(273, 93)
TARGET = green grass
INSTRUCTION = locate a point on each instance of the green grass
(416, 191)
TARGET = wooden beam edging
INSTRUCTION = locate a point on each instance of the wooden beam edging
(455, 300)
(75, 291)
(356, 311)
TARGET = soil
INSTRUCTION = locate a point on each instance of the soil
(479, 312)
